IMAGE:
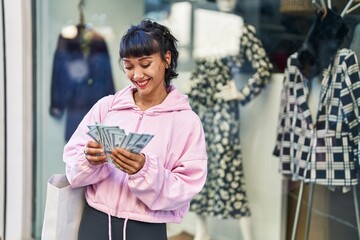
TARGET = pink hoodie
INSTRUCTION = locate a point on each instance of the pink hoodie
(176, 161)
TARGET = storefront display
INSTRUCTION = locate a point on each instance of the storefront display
(81, 73)
(212, 81)
(324, 151)
(76, 63)
(320, 145)
(237, 61)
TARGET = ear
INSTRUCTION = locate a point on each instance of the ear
(168, 58)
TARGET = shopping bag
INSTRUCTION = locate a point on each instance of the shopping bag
(63, 209)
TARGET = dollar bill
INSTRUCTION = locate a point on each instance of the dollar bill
(118, 139)
(140, 144)
(110, 137)
(94, 134)
(130, 140)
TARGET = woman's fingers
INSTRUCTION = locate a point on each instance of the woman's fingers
(125, 168)
(92, 144)
(123, 163)
(127, 161)
(96, 160)
(94, 153)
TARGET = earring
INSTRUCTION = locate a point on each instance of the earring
(166, 65)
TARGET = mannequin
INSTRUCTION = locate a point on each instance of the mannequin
(226, 5)
(216, 34)
(220, 42)
(203, 48)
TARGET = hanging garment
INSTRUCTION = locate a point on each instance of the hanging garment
(224, 194)
(326, 151)
(81, 75)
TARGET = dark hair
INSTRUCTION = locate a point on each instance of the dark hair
(149, 37)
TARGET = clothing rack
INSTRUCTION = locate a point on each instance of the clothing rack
(309, 210)
(347, 9)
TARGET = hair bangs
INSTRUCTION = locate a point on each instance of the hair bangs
(138, 44)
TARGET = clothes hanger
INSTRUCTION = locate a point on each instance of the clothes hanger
(81, 13)
(82, 30)
(316, 3)
(322, 6)
(71, 31)
(345, 11)
(329, 4)
(352, 9)
(346, 8)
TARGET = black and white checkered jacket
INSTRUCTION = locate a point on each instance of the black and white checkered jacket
(324, 152)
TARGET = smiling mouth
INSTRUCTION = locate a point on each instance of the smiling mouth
(141, 84)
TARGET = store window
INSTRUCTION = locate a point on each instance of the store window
(297, 208)
(275, 84)
(77, 63)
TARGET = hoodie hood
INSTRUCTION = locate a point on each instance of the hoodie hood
(174, 101)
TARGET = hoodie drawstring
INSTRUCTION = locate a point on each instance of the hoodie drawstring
(124, 228)
(109, 223)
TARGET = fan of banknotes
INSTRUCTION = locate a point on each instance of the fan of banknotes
(111, 137)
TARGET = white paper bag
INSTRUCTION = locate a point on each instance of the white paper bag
(63, 209)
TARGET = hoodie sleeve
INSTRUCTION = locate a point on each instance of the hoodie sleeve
(78, 170)
(169, 189)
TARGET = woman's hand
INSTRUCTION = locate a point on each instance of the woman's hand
(127, 161)
(94, 153)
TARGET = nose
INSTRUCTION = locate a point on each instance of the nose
(138, 74)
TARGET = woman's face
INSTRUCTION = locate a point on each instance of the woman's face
(226, 5)
(147, 73)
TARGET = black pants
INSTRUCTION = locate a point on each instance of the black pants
(95, 226)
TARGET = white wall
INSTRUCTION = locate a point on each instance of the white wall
(17, 23)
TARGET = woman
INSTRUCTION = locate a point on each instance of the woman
(133, 196)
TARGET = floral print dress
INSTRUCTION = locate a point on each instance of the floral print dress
(224, 194)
